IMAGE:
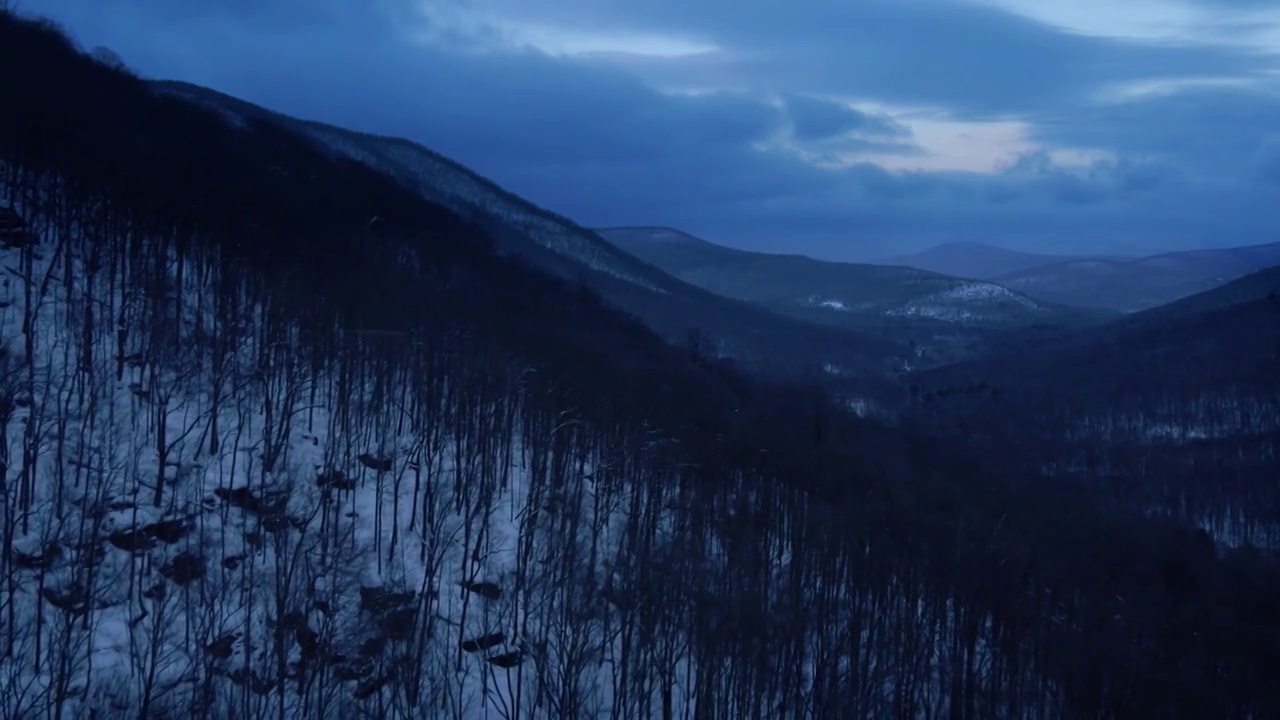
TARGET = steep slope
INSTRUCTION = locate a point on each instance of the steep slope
(1174, 408)
(1254, 287)
(1131, 285)
(976, 260)
(1224, 337)
(755, 338)
(271, 459)
(932, 310)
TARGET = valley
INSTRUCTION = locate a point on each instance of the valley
(1173, 410)
(1103, 283)
(945, 319)
(300, 422)
(749, 333)
(982, 261)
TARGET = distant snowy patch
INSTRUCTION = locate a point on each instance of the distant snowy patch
(1216, 418)
(862, 407)
(968, 302)
(986, 293)
(830, 304)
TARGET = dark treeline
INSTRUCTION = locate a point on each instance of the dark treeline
(1173, 412)
(282, 439)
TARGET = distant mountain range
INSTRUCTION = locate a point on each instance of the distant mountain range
(1123, 284)
(1131, 285)
(945, 316)
(978, 260)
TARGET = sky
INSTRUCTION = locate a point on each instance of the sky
(841, 129)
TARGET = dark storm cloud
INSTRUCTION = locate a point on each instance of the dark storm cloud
(1213, 132)
(272, 15)
(818, 119)
(499, 109)
(593, 140)
(970, 58)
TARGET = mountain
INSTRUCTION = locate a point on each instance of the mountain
(263, 456)
(976, 260)
(1251, 289)
(758, 339)
(1130, 285)
(1118, 284)
(1224, 338)
(941, 314)
(1184, 395)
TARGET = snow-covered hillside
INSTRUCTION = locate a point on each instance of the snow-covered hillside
(971, 302)
(206, 513)
(264, 456)
(961, 302)
(819, 302)
(249, 533)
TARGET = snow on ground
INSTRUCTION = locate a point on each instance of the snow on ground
(862, 407)
(830, 304)
(1216, 417)
(244, 535)
(147, 561)
(986, 292)
(962, 303)
(967, 302)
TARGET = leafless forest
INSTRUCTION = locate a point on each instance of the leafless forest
(281, 439)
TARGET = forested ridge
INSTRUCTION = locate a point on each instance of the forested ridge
(757, 337)
(1173, 411)
(280, 438)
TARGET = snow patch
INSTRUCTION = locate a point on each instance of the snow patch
(830, 304)
(968, 302)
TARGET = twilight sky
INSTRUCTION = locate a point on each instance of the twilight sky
(844, 129)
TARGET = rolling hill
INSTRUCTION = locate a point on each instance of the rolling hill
(947, 317)
(753, 336)
(1223, 339)
(1131, 285)
(975, 260)
(1168, 409)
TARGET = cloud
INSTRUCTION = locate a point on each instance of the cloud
(973, 59)
(502, 109)
(761, 155)
(1209, 133)
(270, 15)
(818, 119)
